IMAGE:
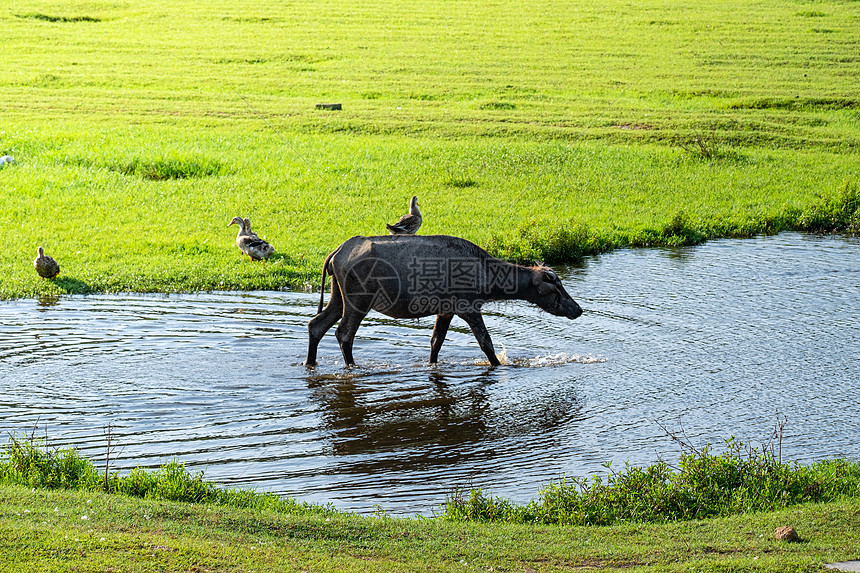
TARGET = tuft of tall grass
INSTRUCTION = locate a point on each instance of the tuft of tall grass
(838, 212)
(27, 464)
(742, 479)
(52, 18)
(171, 167)
(549, 242)
(32, 463)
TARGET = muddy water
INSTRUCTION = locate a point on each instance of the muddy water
(715, 341)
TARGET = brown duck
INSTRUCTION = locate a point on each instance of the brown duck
(409, 223)
(248, 241)
(45, 265)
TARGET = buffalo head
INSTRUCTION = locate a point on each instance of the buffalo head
(549, 294)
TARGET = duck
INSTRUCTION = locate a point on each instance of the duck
(46, 267)
(248, 241)
(409, 223)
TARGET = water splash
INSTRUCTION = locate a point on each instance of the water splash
(558, 360)
(503, 356)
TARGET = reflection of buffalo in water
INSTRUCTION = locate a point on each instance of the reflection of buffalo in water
(366, 421)
(406, 276)
(416, 425)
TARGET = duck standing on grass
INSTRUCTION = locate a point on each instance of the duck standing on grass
(409, 223)
(45, 265)
(248, 241)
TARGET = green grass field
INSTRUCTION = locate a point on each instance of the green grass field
(45, 530)
(536, 129)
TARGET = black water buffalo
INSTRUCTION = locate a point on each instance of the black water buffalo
(409, 276)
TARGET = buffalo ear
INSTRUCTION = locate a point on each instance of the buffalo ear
(541, 272)
(546, 281)
(545, 288)
(550, 275)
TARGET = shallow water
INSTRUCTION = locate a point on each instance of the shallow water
(715, 341)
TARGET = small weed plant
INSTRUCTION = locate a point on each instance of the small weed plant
(741, 479)
(702, 146)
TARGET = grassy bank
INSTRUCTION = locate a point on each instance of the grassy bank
(740, 479)
(536, 130)
(45, 530)
(55, 515)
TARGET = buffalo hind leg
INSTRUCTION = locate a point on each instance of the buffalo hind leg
(320, 324)
(440, 331)
(476, 323)
(345, 333)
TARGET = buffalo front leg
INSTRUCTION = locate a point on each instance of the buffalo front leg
(476, 323)
(440, 331)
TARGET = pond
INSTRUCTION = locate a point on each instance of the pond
(713, 341)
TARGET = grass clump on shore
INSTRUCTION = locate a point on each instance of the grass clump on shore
(26, 462)
(839, 212)
(740, 480)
